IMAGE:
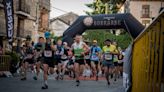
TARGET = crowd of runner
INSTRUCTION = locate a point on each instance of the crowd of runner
(75, 61)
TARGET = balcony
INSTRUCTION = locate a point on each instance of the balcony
(22, 8)
(1, 4)
(45, 4)
(146, 14)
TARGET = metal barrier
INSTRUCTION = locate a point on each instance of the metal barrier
(148, 58)
(5, 62)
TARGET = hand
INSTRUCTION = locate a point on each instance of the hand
(82, 53)
(97, 53)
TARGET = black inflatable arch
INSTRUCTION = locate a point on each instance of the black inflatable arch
(112, 21)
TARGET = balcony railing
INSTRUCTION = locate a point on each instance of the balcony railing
(45, 4)
(146, 14)
(23, 7)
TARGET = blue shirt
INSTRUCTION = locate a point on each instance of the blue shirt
(94, 50)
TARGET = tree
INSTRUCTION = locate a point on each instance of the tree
(101, 35)
(106, 7)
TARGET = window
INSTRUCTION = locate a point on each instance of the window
(145, 11)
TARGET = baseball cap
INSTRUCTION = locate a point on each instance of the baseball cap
(95, 41)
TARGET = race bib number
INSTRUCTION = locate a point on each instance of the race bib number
(87, 57)
(29, 56)
(94, 57)
(48, 53)
(63, 57)
(108, 56)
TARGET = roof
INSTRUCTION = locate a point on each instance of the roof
(66, 18)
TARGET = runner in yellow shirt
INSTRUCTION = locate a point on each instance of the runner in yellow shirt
(108, 56)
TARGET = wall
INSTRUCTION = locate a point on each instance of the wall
(136, 8)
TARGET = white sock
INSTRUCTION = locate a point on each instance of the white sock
(45, 82)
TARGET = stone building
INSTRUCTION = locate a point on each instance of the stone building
(143, 10)
(31, 17)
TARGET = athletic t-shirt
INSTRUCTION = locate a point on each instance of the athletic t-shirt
(48, 52)
(94, 50)
(39, 46)
(107, 55)
(29, 52)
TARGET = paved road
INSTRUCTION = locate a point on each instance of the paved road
(15, 85)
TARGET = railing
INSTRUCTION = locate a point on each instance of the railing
(23, 6)
(5, 62)
(148, 58)
(146, 15)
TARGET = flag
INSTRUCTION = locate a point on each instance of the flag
(9, 16)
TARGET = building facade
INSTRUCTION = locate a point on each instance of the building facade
(31, 17)
(59, 24)
(143, 10)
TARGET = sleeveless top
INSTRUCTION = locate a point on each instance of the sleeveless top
(48, 52)
(78, 49)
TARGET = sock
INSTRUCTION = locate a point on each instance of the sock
(45, 82)
(35, 75)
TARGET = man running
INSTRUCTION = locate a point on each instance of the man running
(64, 58)
(78, 48)
(108, 55)
(95, 52)
(115, 61)
(29, 59)
(39, 47)
(59, 52)
(48, 60)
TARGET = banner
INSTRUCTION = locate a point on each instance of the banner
(9, 14)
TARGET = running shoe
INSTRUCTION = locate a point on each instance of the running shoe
(78, 83)
(23, 79)
(45, 86)
(35, 78)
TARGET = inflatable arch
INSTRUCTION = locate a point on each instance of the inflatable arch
(113, 21)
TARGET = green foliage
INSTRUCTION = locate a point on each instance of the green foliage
(104, 6)
(14, 56)
(123, 40)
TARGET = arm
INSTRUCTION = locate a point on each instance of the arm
(62, 51)
(86, 47)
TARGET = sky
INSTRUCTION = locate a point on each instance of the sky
(76, 6)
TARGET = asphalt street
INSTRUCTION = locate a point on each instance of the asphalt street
(15, 85)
